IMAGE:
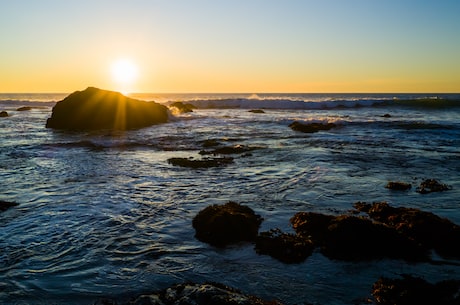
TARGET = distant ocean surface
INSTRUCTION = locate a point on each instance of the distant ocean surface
(103, 214)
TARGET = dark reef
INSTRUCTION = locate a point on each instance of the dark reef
(413, 290)
(311, 127)
(221, 225)
(4, 205)
(202, 163)
(94, 109)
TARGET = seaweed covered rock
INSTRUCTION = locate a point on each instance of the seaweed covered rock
(94, 109)
(5, 205)
(287, 248)
(398, 186)
(425, 228)
(413, 290)
(202, 163)
(196, 294)
(432, 185)
(352, 238)
(311, 127)
(221, 225)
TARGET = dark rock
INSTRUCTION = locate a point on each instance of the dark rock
(398, 186)
(425, 228)
(413, 290)
(210, 143)
(94, 109)
(386, 115)
(200, 294)
(228, 150)
(311, 127)
(3, 114)
(256, 111)
(202, 163)
(355, 238)
(4, 205)
(311, 225)
(182, 108)
(431, 185)
(220, 225)
(25, 108)
(287, 248)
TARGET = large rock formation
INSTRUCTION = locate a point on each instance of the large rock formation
(221, 225)
(93, 109)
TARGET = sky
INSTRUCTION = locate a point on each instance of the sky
(218, 46)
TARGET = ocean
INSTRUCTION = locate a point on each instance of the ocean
(103, 214)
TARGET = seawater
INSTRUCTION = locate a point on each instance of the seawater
(103, 214)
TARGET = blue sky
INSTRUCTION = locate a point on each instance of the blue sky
(232, 46)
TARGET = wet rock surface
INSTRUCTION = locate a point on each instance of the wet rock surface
(195, 294)
(5, 205)
(353, 238)
(413, 290)
(398, 186)
(182, 107)
(221, 225)
(95, 109)
(432, 185)
(287, 248)
(3, 114)
(311, 127)
(425, 228)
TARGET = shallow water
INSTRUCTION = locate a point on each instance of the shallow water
(103, 214)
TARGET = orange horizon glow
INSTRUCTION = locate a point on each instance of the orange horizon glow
(243, 47)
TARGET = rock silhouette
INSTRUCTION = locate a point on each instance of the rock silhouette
(94, 109)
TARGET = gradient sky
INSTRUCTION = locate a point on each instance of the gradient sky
(231, 46)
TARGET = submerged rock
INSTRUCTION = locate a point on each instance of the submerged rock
(202, 163)
(256, 111)
(24, 108)
(287, 248)
(432, 185)
(200, 294)
(414, 290)
(3, 114)
(425, 228)
(4, 205)
(398, 186)
(221, 225)
(94, 109)
(311, 127)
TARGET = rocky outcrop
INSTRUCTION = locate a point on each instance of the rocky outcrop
(94, 109)
(432, 185)
(182, 107)
(256, 111)
(311, 127)
(4, 205)
(398, 186)
(195, 294)
(221, 225)
(425, 228)
(287, 248)
(3, 114)
(414, 290)
(353, 238)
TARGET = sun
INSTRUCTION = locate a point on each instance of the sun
(124, 73)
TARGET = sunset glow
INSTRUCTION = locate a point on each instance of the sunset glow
(237, 46)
